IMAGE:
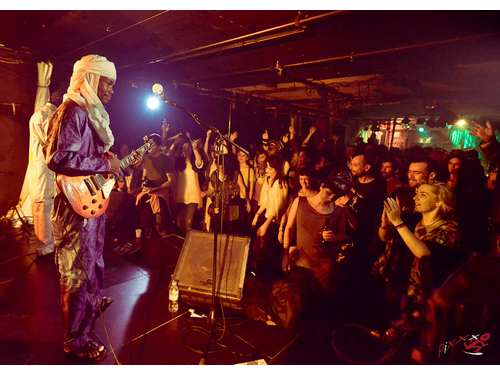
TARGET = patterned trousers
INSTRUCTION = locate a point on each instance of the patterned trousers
(79, 244)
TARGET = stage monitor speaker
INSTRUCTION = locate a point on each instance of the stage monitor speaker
(194, 270)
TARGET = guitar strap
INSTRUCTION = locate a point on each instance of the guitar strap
(54, 129)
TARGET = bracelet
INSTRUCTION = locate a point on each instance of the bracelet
(400, 225)
(281, 230)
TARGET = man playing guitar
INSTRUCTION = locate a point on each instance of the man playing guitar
(79, 135)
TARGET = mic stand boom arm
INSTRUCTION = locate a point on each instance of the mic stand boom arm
(198, 121)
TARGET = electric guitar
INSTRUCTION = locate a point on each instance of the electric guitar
(89, 195)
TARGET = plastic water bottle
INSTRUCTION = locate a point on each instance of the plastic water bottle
(173, 296)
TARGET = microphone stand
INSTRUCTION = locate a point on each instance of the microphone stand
(220, 138)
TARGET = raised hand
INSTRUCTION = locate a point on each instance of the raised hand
(484, 133)
(393, 211)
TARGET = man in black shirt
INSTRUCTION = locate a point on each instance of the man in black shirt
(367, 202)
(368, 194)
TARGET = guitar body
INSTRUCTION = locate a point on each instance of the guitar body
(83, 194)
(89, 195)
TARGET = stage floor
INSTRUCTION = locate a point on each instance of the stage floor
(138, 326)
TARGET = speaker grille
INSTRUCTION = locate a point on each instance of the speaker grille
(194, 270)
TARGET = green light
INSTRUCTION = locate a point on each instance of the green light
(421, 129)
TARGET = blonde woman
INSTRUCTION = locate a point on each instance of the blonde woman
(435, 243)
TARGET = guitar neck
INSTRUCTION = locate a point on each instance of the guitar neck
(129, 159)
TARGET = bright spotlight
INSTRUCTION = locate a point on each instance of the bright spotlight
(153, 103)
(461, 122)
(421, 129)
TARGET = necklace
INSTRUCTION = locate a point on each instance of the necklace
(431, 224)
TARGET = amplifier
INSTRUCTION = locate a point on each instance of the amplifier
(194, 269)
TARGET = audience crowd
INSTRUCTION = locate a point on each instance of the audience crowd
(358, 224)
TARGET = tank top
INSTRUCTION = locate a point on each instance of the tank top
(310, 223)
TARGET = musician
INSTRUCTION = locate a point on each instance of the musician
(79, 136)
(41, 179)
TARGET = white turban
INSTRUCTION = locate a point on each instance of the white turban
(83, 88)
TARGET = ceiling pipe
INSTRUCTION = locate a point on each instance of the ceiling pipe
(113, 34)
(260, 36)
(347, 57)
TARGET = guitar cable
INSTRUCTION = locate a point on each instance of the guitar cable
(24, 272)
(18, 231)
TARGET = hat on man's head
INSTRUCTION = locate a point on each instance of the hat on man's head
(83, 89)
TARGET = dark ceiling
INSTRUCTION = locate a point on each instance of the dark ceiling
(360, 63)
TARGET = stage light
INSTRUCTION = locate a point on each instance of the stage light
(421, 129)
(153, 103)
(461, 122)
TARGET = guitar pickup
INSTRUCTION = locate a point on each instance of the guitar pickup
(90, 186)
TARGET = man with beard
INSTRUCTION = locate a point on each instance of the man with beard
(367, 203)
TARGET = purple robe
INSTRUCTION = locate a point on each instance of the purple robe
(73, 148)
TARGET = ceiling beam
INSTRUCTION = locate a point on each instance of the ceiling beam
(276, 32)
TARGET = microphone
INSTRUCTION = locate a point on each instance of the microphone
(158, 90)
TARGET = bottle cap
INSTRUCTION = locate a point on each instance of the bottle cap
(174, 282)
